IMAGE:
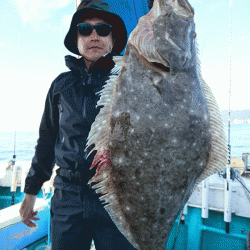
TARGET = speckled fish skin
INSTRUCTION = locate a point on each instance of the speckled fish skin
(154, 135)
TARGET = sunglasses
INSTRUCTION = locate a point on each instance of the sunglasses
(102, 29)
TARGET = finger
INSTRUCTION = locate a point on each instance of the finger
(27, 218)
(29, 223)
(34, 218)
(31, 217)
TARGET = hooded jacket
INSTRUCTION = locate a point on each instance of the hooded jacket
(70, 109)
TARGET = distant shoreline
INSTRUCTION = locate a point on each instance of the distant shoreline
(236, 116)
(236, 121)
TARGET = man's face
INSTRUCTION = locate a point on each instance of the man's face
(92, 47)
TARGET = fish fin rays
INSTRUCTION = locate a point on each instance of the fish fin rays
(100, 132)
(118, 60)
(109, 197)
(218, 154)
(99, 136)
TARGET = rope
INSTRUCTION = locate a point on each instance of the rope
(135, 11)
(241, 181)
(230, 84)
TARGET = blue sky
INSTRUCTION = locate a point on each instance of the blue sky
(32, 54)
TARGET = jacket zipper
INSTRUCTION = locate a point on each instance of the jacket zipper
(60, 116)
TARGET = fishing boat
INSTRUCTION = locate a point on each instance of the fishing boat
(216, 217)
(13, 233)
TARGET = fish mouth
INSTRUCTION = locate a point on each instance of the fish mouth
(161, 67)
(180, 7)
(143, 38)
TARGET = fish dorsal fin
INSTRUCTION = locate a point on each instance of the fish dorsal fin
(99, 136)
(99, 132)
(218, 153)
(118, 61)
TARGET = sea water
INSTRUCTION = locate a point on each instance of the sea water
(239, 139)
(26, 142)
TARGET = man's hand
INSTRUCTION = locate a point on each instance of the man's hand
(26, 210)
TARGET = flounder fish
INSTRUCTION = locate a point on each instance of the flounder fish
(159, 131)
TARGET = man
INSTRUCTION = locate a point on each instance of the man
(77, 215)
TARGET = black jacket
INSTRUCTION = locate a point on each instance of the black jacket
(70, 109)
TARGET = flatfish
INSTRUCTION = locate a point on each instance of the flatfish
(159, 131)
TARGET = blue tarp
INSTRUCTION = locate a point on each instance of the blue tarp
(130, 11)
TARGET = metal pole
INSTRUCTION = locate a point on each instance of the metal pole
(228, 186)
(14, 156)
(205, 198)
